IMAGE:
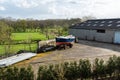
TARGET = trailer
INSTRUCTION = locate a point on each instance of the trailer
(63, 42)
(64, 45)
(57, 43)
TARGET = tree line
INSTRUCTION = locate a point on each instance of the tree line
(49, 27)
(22, 25)
(82, 70)
(9, 26)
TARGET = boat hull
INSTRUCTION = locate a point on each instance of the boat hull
(65, 40)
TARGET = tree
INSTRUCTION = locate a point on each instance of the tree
(87, 18)
(21, 25)
(5, 38)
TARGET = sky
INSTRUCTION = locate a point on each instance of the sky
(59, 9)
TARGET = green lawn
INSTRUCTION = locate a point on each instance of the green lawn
(26, 36)
(16, 48)
(23, 37)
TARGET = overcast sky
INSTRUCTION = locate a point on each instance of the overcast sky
(54, 9)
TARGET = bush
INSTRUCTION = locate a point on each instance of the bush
(99, 69)
(84, 69)
(71, 71)
(2, 74)
(16, 74)
(111, 66)
(67, 71)
(26, 74)
(46, 73)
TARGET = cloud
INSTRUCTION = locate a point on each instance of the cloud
(46, 1)
(2, 1)
(106, 9)
(31, 3)
(70, 8)
(75, 1)
(60, 8)
(2, 8)
(25, 3)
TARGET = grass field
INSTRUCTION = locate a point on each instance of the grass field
(26, 36)
(23, 37)
(16, 48)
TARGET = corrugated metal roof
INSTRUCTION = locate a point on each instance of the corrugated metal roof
(16, 58)
(113, 24)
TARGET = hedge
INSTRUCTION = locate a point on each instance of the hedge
(82, 70)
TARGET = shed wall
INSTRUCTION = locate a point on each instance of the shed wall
(108, 36)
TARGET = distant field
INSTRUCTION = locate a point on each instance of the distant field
(23, 37)
(16, 48)
(26, 36)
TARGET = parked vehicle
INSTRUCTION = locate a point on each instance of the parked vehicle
(58, 43)
(46, 48)
(65, 41)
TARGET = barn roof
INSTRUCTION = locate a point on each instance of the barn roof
(113, 24)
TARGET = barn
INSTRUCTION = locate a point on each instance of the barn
(103, 30)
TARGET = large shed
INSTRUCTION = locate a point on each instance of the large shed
(104, 30)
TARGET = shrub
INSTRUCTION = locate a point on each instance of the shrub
(2, 74)
(71, 71)
(111, 66)
(99, 69)
(40, 73)
(84, 69)
(67, 71)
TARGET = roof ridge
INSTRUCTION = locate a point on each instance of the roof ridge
(104, 19)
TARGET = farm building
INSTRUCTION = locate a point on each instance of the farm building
(104, 30)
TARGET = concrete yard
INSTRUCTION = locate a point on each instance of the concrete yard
(82, 50)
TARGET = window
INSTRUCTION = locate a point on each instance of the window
(101, 31)
(110, 21)
(118, 21)
(96, 22)
(81, 24)
(95, 25)
(118, 25)
(88, 25)
(110, 25)
(103, 22)
(89, 22)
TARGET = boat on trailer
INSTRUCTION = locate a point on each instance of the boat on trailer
(65, 41)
